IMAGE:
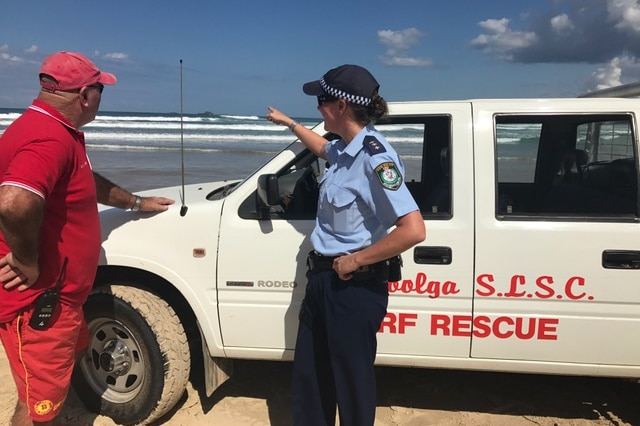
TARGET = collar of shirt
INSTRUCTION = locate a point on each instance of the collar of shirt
(355, 145)
(46, 109)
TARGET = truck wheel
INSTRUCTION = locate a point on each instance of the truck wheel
(137, 364)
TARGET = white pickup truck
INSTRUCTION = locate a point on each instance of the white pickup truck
(531, 262)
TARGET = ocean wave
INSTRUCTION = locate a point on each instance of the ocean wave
(150, 131)
(399, 127)
(225, 137)
(150, 136)
(154, 119)
(241, 117)
(172, 149)
(174, 125)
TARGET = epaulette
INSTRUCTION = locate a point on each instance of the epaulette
(372, 145)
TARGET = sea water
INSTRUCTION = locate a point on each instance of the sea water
(143, 150)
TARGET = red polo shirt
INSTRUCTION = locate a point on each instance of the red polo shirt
(43, 153)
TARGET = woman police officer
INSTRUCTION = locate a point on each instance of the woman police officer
(362, 195)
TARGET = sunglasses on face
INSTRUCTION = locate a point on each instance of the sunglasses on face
(98, 86)
(325, 98)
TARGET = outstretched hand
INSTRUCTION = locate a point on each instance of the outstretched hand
(13, 273)
(155, 204)
(277, 117)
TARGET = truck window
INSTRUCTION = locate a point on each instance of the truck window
(568, 167)
(605, 141)
(424, 146)
(517, 149)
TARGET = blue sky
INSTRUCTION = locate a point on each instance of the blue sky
(240, 56)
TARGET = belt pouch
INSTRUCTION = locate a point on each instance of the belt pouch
(319, 263)
(395, 268)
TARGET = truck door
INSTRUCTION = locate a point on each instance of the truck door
(436, 146)
(259, 297)
(262, 257)
(557, 252)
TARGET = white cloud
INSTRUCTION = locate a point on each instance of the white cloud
(608, 76)
(620, 70)
(405, 61)
(398, 44)
(32, 49)
(562, 23)
(496, 25)
(6, 58)
(605, 33)
(625, 14)
(400, 40)
(117, 56)
(501, 40)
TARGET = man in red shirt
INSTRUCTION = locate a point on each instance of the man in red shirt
(50, 232)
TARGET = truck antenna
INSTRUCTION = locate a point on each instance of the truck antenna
(183, 208)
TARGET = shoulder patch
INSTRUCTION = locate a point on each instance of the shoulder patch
(372, 145)
(389, 175)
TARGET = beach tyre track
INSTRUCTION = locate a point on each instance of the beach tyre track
(137, 365)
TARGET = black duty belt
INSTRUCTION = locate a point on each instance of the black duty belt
(388, 269)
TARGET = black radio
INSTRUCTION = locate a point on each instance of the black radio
(45, 304)
(43, 311)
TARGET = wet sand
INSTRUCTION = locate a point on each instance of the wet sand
(259, 394)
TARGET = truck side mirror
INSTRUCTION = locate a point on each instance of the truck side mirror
(267, 195)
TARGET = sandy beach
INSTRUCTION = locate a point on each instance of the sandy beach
(258, 394)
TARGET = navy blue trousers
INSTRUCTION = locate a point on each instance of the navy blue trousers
(335, 351)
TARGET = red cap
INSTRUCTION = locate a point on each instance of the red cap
(73, 71)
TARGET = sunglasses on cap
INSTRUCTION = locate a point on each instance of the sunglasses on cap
(325, 98)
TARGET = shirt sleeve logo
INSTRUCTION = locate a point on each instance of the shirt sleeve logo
(389, 175)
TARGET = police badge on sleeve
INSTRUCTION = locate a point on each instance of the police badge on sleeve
(389, 175)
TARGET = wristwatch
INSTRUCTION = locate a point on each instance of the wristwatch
(137, 204)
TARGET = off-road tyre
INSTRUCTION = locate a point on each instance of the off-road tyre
(137, 365)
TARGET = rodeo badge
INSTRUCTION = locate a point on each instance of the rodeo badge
(389, 175)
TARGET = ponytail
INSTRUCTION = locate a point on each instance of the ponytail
(371, 113)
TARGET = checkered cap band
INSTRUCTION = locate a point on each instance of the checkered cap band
(358, 100)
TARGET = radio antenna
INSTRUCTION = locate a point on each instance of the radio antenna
(183, 208)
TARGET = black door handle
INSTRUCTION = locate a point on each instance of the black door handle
(432, 255)
(621, 259)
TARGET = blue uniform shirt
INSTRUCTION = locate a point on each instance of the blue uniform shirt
(362, 194)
